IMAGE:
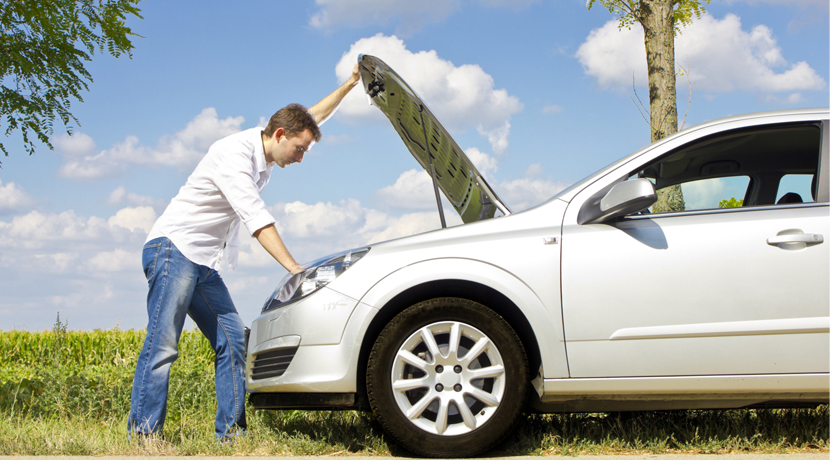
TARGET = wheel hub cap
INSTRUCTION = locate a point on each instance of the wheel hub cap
(448, 378)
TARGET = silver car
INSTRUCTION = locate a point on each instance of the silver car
(691, 274)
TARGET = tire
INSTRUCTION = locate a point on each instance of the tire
(459, 404)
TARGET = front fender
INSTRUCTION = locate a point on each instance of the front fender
(539, 306)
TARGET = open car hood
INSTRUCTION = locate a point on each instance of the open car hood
(427, 140)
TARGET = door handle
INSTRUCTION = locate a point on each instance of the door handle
(806, 238)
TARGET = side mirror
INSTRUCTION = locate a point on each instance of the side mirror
(623, 198)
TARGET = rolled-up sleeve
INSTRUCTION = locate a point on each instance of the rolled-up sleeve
(236, 179)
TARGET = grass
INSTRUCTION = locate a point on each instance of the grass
(67, 393)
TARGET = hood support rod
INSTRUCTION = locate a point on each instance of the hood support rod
(432, 168)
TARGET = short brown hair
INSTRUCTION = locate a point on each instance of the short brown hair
(294, 119)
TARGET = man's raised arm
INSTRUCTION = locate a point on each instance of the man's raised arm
(324, 109)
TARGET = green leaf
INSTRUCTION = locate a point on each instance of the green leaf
(44, 46)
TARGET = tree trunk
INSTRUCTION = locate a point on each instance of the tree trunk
(657, 19)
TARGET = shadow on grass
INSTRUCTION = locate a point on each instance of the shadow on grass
(698, 431)
(349, 431)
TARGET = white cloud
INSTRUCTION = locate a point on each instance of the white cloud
(496, 136)
(117, 195)
(94, 264)
(707, 193)
(411, 224)
(83, 267)
(703, 194)
(461, 97)
(335, 139)
(719, 55)
(319, 219)
(13, 197)
(790, 99)
(247, 282)
(184, 149)
(534, 171)
(54, 233)
(69, 263)
(521, 194)
(115, 261)
(34, 229)
(181, 150)
(409, 16)
(89, 293)
(412, 190)
(311, 231)
(530, 190)
(252, 254)
(796, 3)
(512, 4)
(485, 164)
(120, 195)
(141, 218)
(80, 160)
(58, 262)
(78, 144)
(552, 108)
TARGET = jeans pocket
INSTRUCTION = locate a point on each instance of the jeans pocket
(149, 257)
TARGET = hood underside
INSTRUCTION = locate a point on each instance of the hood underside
(429, 142)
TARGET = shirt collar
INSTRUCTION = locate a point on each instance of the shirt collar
(259, 152)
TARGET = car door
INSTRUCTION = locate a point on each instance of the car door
(706, 290)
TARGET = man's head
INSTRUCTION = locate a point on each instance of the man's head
(289, 134)
(294, 119)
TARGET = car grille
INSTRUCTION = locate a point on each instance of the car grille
(272, 363)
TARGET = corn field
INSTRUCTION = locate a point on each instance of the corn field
(71, 374)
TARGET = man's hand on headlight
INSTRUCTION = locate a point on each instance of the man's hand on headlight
(271, 241)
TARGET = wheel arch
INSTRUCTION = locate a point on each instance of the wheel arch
(449, 287)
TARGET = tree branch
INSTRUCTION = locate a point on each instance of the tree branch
(642, 111)
(685, 72)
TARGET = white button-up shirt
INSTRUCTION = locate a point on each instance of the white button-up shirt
(203, 219)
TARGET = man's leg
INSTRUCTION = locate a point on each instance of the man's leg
(171, 279)
(213, 311)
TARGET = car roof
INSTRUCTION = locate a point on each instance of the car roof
(745, 120)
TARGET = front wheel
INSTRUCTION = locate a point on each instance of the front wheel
(447, 377)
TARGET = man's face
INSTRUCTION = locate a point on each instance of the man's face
(290, 151)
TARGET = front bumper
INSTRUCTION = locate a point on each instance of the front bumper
(311, 346)
(305, 401)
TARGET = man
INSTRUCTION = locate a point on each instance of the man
(187, 243)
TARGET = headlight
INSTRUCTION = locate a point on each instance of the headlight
(316, 275)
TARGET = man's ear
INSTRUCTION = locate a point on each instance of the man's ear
(279, 133)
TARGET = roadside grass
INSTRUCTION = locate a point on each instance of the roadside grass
(68, 393)
(693, 431)
(280, 434)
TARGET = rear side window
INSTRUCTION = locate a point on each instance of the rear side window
(796, 187)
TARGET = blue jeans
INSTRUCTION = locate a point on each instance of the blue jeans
(178, 287)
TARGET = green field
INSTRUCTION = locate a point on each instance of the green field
(68, 393)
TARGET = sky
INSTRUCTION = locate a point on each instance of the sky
(539, 93)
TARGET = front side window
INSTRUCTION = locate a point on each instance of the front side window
(721, 192)
(752, 167)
